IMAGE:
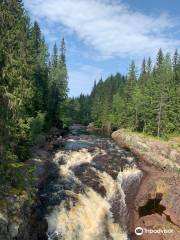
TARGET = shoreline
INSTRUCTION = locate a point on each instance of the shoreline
(159, 186)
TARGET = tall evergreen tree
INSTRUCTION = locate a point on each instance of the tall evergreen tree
(58, 85)
(16, 90)
(29, 90)
(130, 111)
(63, 52)
(143, 72)
(149, 66)
(40, 69)
(148, 103)
(54, 61)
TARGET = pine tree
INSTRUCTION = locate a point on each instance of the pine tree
(158, 93)
(175, 92)
(36, 38)
(143, 74)
(130, 109)
(58, 86)
(16, 92)
(40, 69)
(159, 60)
(149, 66)
(30, 89)
(63, 52)
(148, 103)
(54, 61)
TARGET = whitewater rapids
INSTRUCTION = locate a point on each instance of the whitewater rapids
(87, 198)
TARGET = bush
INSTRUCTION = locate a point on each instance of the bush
(37, 124)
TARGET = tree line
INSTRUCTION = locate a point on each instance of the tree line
(147, 102)
(34, 94)
(33, 88)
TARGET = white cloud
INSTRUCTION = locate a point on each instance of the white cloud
(110, 27)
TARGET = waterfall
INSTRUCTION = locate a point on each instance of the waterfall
(89, 219)
(86, 212)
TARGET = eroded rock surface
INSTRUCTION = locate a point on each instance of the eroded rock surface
(157, 203)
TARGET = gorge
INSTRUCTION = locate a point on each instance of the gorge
(91, 182)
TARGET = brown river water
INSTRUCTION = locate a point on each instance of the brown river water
(92, 183)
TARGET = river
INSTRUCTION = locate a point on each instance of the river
(91, 186)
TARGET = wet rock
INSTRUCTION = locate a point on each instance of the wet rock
(40, 141)
(89, 178)
(76, 145)
(130, 160)
(4, 234)
(16, 218)
(54, 131)
(13, 230)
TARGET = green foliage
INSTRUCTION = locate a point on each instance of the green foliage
(31, 92)
(58, 86)
(69, 112)
(37, 124)
(76, 110)
(34, 87)
(102, 99)
(148, 103)
(178, 170)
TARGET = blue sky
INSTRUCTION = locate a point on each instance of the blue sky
(103, 36)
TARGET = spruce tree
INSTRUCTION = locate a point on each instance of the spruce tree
(58, 85)
(40, 69)
(54, 61)
(130, 110)
(16, 92)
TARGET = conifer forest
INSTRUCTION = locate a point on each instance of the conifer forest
(34, 92)
(34, 97)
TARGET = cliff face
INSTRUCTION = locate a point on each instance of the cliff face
(157, 203)
(16, 209)
(14, 216)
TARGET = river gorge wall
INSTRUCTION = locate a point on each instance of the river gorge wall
(89, 198)
(85, 184)
(157, 203)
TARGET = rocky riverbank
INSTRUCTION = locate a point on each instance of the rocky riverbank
(17, 209)
(157, 203)
(91, 188)
(82, 183)
(85, 187)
